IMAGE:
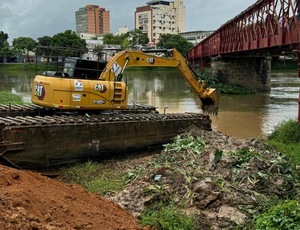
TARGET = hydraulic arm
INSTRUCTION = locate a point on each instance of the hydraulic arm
(115, 67)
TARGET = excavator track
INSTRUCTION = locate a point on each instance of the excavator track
(31, 139)
(35, 110)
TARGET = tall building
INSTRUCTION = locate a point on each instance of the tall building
(92, 19)
(160, 17)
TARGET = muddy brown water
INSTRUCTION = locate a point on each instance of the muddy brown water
(243, 116)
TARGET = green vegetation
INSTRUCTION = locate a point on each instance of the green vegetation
(163, 217)
(129, 40)
(285, 215)
(183, 144)
(223, 88)
(170, 41)
(268, 175)
(24, 45)
(97, 178)
(286, 137)
(285, 64)
(17, 67)
(7, 97)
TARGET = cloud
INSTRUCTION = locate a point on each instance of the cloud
(37, 18)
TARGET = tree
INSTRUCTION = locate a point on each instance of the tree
(23, 45)
(128, 40)
(3, 40)
(170, 41)
(44, 41)
(98, 50)
(70, 41)
(110, 39)
(137, 37)
(3, 45)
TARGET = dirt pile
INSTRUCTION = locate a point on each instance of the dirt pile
(31, 201)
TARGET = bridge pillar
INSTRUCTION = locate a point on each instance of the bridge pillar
(250, 72)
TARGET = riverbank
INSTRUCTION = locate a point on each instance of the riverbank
(17, 67)
(201, 180)
(278, 64)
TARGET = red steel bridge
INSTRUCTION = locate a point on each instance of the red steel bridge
(267, 27)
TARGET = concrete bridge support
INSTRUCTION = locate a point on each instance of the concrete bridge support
(250, 72)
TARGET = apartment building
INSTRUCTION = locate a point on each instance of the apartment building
(160, 17)
(93, 20)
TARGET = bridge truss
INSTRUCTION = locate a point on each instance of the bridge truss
(267, 27)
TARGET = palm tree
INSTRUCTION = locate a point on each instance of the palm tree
(98, 50)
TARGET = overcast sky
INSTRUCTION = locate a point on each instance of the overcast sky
(37, 18)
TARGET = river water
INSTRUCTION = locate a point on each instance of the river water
(242, 116)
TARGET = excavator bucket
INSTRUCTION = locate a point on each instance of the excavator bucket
(210, 101)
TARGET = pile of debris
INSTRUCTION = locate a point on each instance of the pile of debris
(219, 179)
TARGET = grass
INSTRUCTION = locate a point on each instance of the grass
(286, 137)
(7, 97)
(162, 217)
(97, 178)
(32, 67)
(17, 67)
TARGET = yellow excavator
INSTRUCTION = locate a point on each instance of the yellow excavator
(77, 88)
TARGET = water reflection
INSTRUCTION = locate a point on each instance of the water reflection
(246, 116)
(18, 83)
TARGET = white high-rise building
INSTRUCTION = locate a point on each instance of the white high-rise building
(160, 17)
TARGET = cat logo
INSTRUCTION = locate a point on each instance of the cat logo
(100, 87)
(39, 92)
(150, 60)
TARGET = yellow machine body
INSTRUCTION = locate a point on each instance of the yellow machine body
(74, 94)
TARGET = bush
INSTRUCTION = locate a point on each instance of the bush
(282, 216)
(288, 132)
(223, 88)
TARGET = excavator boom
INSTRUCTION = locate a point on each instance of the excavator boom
(209, 97)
